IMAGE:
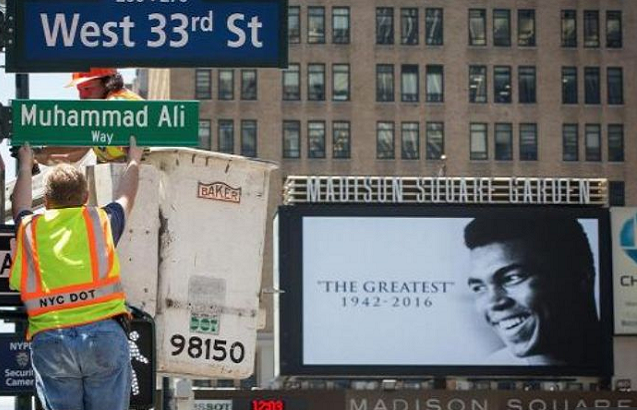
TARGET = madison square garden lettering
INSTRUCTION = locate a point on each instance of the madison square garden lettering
(470, 190)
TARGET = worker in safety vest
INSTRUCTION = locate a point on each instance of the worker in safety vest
(66, 268)
(95, 84)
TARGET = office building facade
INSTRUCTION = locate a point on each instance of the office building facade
(535, 88)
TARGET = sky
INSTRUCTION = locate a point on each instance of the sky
(41, 87)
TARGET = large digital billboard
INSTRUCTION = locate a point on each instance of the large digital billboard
(391, 290)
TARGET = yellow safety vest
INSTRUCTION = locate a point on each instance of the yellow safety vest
(109, 154)
(66, 269)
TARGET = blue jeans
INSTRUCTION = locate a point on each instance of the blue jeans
(83, 368)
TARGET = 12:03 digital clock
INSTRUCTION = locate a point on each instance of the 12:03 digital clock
(267, 404)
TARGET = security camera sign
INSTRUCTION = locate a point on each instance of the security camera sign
(15, 363)
(74, 35)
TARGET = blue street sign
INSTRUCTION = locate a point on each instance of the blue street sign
(74, 35)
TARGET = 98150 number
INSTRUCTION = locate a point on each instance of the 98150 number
(217, 349)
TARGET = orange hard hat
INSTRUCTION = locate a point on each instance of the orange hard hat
(79, 78)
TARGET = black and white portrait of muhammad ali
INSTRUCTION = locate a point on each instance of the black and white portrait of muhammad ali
(533, 280)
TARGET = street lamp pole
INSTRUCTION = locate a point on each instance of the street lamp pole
(442, 169)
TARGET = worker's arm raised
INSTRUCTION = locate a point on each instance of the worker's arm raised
(128, 183)
(22, 199)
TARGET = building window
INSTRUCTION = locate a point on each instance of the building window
(204, 134)
(316, 25)
(569, 85)
(294, 24)
(477, 84)
(292, 82)
(616, 193)
(340, 25)
(528, 142)
(291, 139)
(226, 136)
(614, 29)
(340, 82)
(478, 142)
(435, 83)
(526, 85)
(409, 26)
(316, 82)
(341, 139)
(384, 25)
(316, 139)
(434, 27)
(615, 142)
(591, 85)
(591, 28)
(410, 147)
(384, 82)
(203, 84)
(501, 28)
(477, 27)
(570, 142)
(615, 85)
(409, 83)
(385, 140)
(226, 84)
(249, 138)
(435, 140)
(248, 84)
(569, 28)
(593, 142)
(503, 142)
(526, 28)
(502, 84)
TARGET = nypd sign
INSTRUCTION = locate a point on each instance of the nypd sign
(74, 35)
(15, 365)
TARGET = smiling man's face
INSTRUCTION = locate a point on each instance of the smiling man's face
(514, 295)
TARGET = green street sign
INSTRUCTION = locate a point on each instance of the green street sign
(105, 122)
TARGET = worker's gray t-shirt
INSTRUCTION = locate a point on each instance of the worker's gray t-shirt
(115, 214)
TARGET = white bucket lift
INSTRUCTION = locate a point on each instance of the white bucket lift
(192, 255)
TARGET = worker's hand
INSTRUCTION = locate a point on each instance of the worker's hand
(25, 156)
(26, 160)
(134, 152)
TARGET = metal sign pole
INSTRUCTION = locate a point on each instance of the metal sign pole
(166, 394)
(22, 86)
(21, 92)
(23, 401)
